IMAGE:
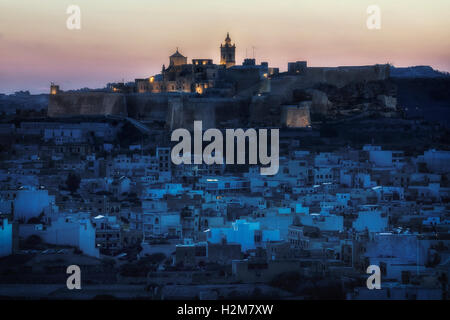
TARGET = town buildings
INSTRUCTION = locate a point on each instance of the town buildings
(95, 183)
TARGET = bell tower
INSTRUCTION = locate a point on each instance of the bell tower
(228, 52)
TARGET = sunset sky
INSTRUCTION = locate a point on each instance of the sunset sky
(128, 39)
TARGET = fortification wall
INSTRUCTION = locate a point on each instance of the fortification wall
(230, 112)
(86, 103)
(180, 111)
(342, 76)
(284, 85)
(296, 116)
(265, 110)
(147, 106)
(213, 112)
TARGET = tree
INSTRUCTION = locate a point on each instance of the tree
(73, 182)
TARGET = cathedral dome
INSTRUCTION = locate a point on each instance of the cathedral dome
(177, 54)
(177, 59)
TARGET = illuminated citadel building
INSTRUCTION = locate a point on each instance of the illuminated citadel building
(227, 94)
(201, 74)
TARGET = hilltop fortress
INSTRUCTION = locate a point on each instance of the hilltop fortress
(229, 95)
